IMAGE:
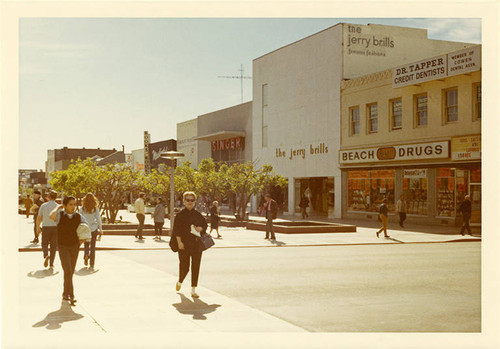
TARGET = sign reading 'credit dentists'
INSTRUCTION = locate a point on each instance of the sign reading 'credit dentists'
(421, 151)
(454, 63)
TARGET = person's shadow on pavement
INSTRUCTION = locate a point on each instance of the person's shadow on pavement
(86, 271)
(54, 320)
(197, 308)
(40, 274)
(278, 243)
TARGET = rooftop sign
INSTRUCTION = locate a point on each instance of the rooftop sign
(455, 63)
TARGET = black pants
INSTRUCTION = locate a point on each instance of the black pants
(158, 226)
(141, 218)
(270, 229)
(68, 256)
(466, 226)
(34, 228)
(303, 210)
(185, 256)
(89, 249)
(402, 218)
(49, 237)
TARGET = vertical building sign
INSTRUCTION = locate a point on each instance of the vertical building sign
(147, 140)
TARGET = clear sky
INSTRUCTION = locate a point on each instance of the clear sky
(95, 82)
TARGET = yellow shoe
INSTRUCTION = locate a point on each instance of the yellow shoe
(178, 286)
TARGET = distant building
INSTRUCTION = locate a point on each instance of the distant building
(35, 179)
(155, 150)
(224, 135)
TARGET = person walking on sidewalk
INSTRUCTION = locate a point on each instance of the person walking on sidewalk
(401, 208)
(214, 218)
(48, 229)
(90, 211)
(27, 205)
(38, 202)
(189, 249)
(383, 218)
(140, 214)
(159, 217)
(304, 203)
(466, 209)
(67, 221)
(271, 209)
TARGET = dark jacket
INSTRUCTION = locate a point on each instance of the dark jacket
(182, 227)
(466, 208)
(383, 209)
(273, 212)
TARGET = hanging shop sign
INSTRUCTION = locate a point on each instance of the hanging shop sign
(230, 143)
(454, 63)
(466, 148)
(420, 151)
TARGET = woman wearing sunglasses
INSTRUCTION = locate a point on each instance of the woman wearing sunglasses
(189, 249)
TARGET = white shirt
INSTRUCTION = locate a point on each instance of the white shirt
(139, 206)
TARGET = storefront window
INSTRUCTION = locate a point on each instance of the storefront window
(415, 191)
(367, 189)
(462, 186)
(445, 186)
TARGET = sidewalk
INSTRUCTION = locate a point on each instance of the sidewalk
(241, 237)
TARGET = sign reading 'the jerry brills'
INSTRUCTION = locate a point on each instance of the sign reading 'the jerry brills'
(421, 151)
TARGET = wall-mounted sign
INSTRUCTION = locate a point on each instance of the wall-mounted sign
(420, 151)
(466, 148)
(415, 173)
(302, 153)
(454, 63)
(229, 144)
(421, 71)
(464, 61)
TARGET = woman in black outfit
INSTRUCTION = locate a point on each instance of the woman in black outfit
(214, 218)
(68, 243)
(189, 248)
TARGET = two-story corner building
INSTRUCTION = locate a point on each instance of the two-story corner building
(414, 130)
(296, 102)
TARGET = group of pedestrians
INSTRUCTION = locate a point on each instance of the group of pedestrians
(465, 209)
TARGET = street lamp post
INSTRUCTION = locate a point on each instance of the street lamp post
(172, 155)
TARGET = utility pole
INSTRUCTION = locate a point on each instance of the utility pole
(241, 77)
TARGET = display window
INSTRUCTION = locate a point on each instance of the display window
(367, 188)
(415, 191)
(445, 187)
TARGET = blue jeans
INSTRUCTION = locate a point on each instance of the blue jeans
(89, 249)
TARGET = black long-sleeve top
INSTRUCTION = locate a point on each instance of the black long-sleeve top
(182, 226)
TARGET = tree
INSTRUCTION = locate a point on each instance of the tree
(211, 181)
(245, 180)
(185, 178)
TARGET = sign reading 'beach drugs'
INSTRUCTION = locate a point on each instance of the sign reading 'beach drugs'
(421, 151)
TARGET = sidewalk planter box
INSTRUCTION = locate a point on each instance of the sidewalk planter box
(304, 227)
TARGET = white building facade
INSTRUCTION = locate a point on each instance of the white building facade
(296, 102)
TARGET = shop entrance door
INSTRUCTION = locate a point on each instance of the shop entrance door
(475, 197)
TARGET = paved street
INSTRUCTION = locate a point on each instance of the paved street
(303, 283)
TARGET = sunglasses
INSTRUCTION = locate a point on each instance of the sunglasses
(190, 200)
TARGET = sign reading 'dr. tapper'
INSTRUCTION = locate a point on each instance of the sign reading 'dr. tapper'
(301, 153)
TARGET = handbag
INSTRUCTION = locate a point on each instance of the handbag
(173, 244)
(83, 232)
(205, 241)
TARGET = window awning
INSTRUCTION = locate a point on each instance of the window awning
(217, 136)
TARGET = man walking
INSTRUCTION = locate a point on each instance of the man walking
(466, 209)
(140, 214)
(27, 205)
(401, 208)
(36, 207)
(49, 230)
(271, 209)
